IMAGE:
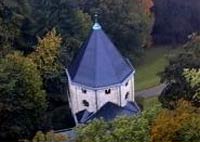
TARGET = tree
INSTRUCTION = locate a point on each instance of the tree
(22, 99)
(68, 19)
(68, 50)
(23, 21)
(190, 131)
(97, 130)
(49, 137)
(177, 84)
(71, 22)
(126, 129)
(46, 55)
(193, 78)
(131, 129)
(9, 31)
(13, 15)
(173, 125)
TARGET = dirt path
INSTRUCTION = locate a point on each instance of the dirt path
(155, 91)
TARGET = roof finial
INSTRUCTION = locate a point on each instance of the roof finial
(96, 17)
(96, 25)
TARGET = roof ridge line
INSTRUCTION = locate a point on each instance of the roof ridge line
(95, 74)
(108, 55)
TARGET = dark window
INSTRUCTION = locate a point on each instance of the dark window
(108, 91)
(84, 91)
(126, 84)
(85, 103)
(127, 95)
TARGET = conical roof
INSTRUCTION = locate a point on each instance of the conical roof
(98, 62)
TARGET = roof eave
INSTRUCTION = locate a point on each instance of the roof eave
(100, 88)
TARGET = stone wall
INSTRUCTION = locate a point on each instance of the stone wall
(97, 98)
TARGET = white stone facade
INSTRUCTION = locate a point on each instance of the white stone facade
(85, 98)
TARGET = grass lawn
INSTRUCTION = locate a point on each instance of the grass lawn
(146, 103)
(152, 63)
(149, 102)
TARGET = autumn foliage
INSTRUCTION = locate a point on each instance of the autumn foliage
(46, 54)
(169, 124)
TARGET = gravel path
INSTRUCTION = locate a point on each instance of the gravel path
(155, 91)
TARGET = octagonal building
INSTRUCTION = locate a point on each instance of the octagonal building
(101, 80)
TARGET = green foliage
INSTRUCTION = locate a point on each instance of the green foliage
(9, 30)
(20, 8)
(46, 57)
(68, 19)
(49, 137)
(68, 51)
(71, 22)
(131, 129)
(13, 17)
(193, 78)
(97, 130)
(23, 21)
(126, 129)
(177, 85)
(22, 100)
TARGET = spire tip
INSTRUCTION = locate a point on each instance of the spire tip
(96, 26)
(96, 17)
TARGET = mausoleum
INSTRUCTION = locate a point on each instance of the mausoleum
(101, 80)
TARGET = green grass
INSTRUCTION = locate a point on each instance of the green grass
(149, 102)
(152, 63)
(146, 103)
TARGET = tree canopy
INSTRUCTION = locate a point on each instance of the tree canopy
(49, 137)
(126, 129)
(177, 84)
(177, 125)
(22, 99)
(46, 55)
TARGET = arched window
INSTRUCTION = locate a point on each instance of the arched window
(84, 91)
(108, 91)
(127, 95)
(85, 103)
(127, 83)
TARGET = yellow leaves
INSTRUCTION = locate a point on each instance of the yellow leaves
(46, 55)
(169, 122)
(50, 41)
(164, 128)
(193, 78)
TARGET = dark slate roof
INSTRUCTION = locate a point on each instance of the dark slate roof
(98, 62)
(110, 111)
(132, 106)
(82, 116)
